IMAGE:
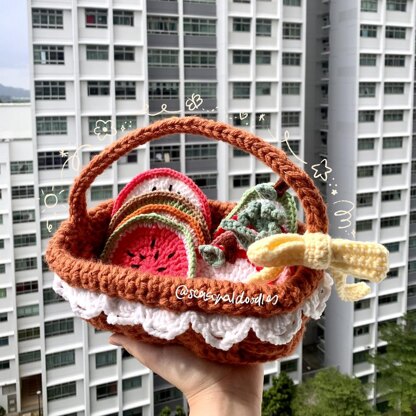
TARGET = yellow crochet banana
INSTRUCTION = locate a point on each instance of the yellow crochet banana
(318, 251)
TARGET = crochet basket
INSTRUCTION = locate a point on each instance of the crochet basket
(73, 254)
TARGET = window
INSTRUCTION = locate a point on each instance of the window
(4, 341)
(366, 116)
(241, 57)
(56, 125)
(29, 357)
(61, 391)
(26, 287)
(60, 359)
(97, 52)
(29, 263)
(393, 169)
(126, 123)
(262, 178)
(367, 89)
(51, 160)
(289, 366)
(22, 216)
(28, 310)
(367, 59)
(101, 192)
(199, 59)
(264, 27)
(413, 192)
(366, 144)
(199, 27)
(106, 390)
(204, 89)
(369, 6)
(137, 411)
(411, 266)
(395, 60)
(292, 31)
(361, 330)
(290, 119)
(365, 200)
(123, 53)
(241, 181)
(239, 153)
(263, 121)
(392, 298)
(132, 383)
(291, 88)
(392, 142)
(392, 247)
(200, 151)
(48, 227)
(393, 115)
(4, 365)
(368, 31)
(47, 19)
(162, 25)
(50, 90)
(241, 90)
(96, 18)
(24, 240)
(28, 334)
(22, 192)
(58, 194)
(391, 195)
(21, 167)
(205, 181)
(365, 225)
(163, 90)
(241, 24)
(123, 17)
(263, 57)
(3, 317)
(296, 3)
(167, 395)
(413, 217)
(263, 88)
(125, 90)
(397, 5)
(394, 88)
(291, 58)
(394, 32)
(3, 293)
(360, 357)
(390, 222)
(165, 58)
(50, 297)
(164, 154)
(362, 304)
(92, 122)
(393, 273)
(105, 358)
(98, 87)
(48, 55)
(59, 327)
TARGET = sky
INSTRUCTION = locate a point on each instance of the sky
(14, 44)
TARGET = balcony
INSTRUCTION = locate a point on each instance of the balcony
(364, 314)
(364, 367)
(363, 341)
(290, 12)
(386, 310)
(58, 35)
(389, 207)
(391, 283)
(392, 232)
(53, 71)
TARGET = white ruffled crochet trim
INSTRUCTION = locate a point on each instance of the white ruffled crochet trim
(219, 331)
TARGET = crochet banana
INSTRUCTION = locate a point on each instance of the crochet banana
(368, 261)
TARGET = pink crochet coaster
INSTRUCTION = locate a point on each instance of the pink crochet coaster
(152, 243)
(164, 180)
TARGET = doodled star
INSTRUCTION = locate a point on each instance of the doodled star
(316, 170)
(334, 192)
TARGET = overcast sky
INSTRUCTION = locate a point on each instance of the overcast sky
(14, 45)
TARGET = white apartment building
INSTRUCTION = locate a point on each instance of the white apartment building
(124, 61)
(368, 142)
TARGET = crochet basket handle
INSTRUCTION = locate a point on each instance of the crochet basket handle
(290, 174)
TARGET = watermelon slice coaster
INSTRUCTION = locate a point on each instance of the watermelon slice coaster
(152, 243)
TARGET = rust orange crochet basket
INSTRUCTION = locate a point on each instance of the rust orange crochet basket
(121, 299)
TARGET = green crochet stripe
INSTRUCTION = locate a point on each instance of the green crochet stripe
(289, 205)
(153, 219)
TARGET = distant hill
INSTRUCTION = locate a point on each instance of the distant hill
(13, 93)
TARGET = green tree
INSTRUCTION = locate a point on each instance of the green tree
(277, 400)
(166, 411)
(2, 411)
(179, 411)
(396, 366)
(331, 393)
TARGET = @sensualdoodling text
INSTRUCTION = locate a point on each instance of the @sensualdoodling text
(183, 292)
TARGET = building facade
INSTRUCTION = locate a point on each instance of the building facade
(100, 69)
